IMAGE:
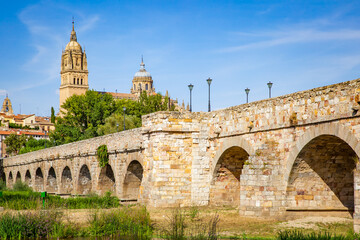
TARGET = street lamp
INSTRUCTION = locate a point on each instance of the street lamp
(209, 82)
(124, 109)
(45, 138)
(117, 127)
(190, 88)
(269, 85)
(247, 90)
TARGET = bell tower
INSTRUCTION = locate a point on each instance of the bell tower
(74, 72)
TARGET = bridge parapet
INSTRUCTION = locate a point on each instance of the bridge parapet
(127, 140)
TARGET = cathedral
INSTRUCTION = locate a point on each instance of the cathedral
(74, 75)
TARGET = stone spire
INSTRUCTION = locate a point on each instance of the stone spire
(73, 33)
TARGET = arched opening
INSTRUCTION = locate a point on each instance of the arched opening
(39, 180)
(11, 182)
(84, 183)
(132, 181)
(321, 178)
(3, 178)
(18, 177)
(225, 184)
(106, 180)
(51, 184)
(74, 81)
(66, 181)
(28, 178)
(146, 86)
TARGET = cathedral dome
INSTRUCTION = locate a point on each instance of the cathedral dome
(142, 72)
(73, 45)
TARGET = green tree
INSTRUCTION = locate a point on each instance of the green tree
(81, 116)
(52, 115)
(115, 123)
(14, 143)
(33, 145)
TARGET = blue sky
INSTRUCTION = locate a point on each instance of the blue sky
(297, 45)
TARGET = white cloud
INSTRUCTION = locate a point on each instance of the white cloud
(277, 38)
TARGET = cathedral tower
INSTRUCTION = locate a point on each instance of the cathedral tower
(6, 107)
(74, 73)
(142, 81)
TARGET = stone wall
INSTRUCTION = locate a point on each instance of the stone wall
(268, 157)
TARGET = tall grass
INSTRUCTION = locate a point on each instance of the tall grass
(299, 235)
(32, 225)
(182, 226)
(21, 200)
(123, 223)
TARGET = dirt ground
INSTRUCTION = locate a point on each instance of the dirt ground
(230, 224)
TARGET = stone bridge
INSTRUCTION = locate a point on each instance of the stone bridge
(281, 157)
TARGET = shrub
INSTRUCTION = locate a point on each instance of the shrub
(2, 185)
(21, 186)
(102, 155)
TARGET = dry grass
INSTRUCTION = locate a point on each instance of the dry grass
(231, 225)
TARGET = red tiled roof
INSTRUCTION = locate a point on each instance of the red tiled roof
(19, 132)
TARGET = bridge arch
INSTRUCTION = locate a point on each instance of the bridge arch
(226, 169)
(321, 175)
(51, 183)
(84, 180)
(132, 181)
(10, 179)
(39, 180)
(227, 143)
(67, 185)
(28, 178)
(225, 179)
(18, 177)
(334, 129)
(106, 180)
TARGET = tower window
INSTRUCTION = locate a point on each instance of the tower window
(81, 81)
(77, 81)
(74, 80)
(146, 87)
(134, 87)
(140, 86)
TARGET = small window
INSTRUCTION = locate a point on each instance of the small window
(74, 80)
(81, 82)
(77, 81)
(134, 87)
(140, 86)
(146, 87)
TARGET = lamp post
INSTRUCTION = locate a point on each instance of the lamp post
(269, 85)
(247, 90)
(190, 88)
(45, 139)
(117, 127)
(124, 109)
(209, 83)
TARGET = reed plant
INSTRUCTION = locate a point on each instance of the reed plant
(122, 223)
(184, 226)
(33, 225)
